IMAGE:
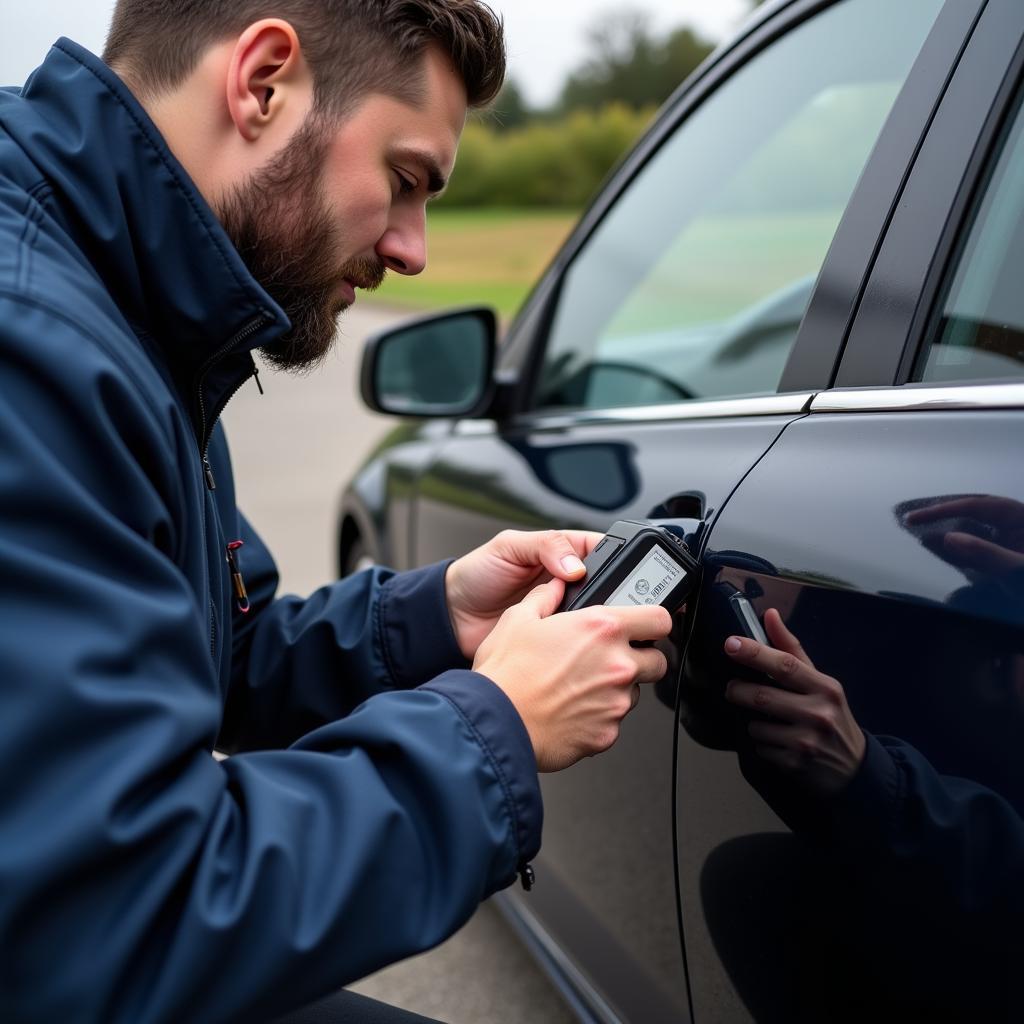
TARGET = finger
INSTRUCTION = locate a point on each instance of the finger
(583, 541)
(642, 622)
(765, 699)
(988, 508)
(785, 668)
(542, 601)
(651, 664)
(559, 552)
(970, 552)
(782, 639)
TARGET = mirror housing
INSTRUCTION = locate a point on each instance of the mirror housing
(432, 367)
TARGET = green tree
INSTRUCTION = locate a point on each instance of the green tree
(509, 110)
(628, 65)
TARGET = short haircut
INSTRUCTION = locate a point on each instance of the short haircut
(353, 47)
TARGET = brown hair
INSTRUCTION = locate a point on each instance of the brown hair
(353, 47)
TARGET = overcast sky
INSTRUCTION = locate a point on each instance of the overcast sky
(546, 38)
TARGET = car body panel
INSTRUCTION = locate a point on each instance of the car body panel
(605, 878)
(926, 652)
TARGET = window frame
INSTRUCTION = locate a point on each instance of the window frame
(907, 286)
(818, 347)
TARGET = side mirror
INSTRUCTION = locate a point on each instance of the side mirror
(435, 366)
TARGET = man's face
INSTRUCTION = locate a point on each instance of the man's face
(342, 204)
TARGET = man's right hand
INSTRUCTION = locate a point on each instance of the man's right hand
(572, 677)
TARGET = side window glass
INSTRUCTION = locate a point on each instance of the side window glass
(695, 283)
(981, 332)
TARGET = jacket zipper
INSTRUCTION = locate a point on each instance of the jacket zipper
(205, 428)
(204, 441)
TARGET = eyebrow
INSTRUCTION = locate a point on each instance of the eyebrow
(436, 181)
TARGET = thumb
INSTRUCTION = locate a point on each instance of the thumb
(782, 639)
(544, 600)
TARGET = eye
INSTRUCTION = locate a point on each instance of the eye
(405, 185)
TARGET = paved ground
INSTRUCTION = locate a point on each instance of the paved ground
(293, 449)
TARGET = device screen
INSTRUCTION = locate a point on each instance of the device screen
(649, 582)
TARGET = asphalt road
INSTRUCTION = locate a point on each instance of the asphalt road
(293, 449)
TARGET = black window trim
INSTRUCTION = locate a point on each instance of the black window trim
(820, 344)
(909, 275)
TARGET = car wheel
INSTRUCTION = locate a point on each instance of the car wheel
(357, 557)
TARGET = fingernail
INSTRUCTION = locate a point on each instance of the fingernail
(571, 564)
(732, 645)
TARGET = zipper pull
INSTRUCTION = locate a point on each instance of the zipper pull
(527, 876)
(241, 596)
(211, 484)
(256, 374)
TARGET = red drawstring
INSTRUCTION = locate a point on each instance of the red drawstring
(241, 596)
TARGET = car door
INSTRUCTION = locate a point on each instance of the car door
(887, 526)
(648, 375)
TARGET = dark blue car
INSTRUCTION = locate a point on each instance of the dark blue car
(792, 324)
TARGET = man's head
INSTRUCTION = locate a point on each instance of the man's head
(316, 129)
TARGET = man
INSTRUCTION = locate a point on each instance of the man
(224, 181)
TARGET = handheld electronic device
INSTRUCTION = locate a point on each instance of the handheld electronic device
(635, 563)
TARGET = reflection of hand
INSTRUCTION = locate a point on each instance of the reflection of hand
(812, 734)
(572, 677)
(481, 585)
(966, 551)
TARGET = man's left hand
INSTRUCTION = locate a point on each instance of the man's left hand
(481, 585)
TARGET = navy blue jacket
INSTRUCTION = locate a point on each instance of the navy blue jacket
(379, 790)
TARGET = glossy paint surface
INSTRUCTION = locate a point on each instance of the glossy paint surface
(928, 651)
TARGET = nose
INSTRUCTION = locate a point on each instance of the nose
(403, 246)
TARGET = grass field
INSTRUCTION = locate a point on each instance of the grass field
(490, 257)
(713, 269)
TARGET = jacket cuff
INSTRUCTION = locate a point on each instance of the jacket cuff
(500, 731)
(414, 628)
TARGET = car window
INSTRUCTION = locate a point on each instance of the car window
(980, 335)
(694, 285)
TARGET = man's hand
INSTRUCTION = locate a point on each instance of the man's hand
(572, 677)
(1000, 556)
(813, 734)
(481, 585)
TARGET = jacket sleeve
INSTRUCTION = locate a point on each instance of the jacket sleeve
(140, 879)
(925, 838)
(957, 838)
(298, 663)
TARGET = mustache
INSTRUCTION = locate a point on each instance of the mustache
(365, 272)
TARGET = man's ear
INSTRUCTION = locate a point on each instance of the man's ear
(267, 73)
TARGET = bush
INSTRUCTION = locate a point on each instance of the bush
(545, 163)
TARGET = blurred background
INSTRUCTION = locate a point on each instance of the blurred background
(584, 82)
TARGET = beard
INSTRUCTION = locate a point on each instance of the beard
(280, 225)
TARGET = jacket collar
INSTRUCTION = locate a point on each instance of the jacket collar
(141, 222)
